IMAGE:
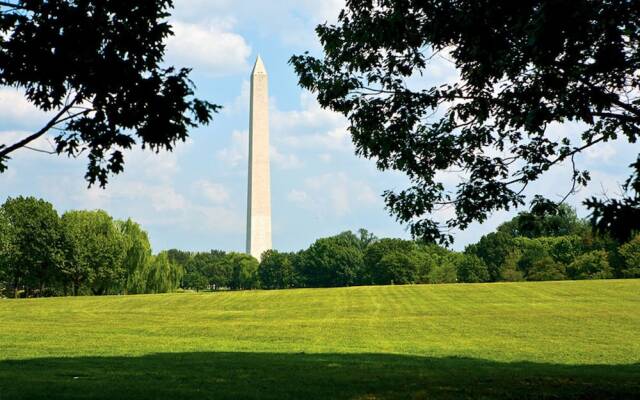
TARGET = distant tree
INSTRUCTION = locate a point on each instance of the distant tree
(630, 253)
(545, 268)
(276, 270)
(244, 271)
(33, 255)
(564, 249)
(95, 250)
(592, 265)
(472, 269)
(523, 66)
(97, 67)
(493, 249)
(397, 268)
(556, 221)
(195, 281)
(443, 273)
(215, 266)
(619, 217)
(373, 271)
(6, 250)
(332, 261)
(366, 238)
(179, 257)
(137, 256)
(435, 261)
(163, 275)
(509, 270)
(532, 251)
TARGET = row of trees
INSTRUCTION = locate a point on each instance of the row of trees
(532, 246)
(88, 252)
(552, 246)
(80, 252)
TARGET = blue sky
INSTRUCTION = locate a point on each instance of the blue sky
(195, 197)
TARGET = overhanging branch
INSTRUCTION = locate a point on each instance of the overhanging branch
(22, 143)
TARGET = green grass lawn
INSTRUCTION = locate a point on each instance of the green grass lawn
(512, 340)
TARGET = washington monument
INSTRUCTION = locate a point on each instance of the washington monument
(259, 192)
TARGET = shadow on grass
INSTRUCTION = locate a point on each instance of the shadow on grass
(308, 376)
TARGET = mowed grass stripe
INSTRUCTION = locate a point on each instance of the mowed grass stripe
(563, 322)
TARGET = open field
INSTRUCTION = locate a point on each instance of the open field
(511, 340)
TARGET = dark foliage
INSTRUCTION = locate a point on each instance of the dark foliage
(523, 65)
(96, 65)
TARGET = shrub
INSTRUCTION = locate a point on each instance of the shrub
(443, 273)
(630, 253)
(397, 268)
(591, 265)
(546, 269)
(472, 269)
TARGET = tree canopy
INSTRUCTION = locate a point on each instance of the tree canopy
(96, 67)
(523, 66)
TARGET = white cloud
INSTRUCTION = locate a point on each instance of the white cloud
(298, 196)
(333, 140)
(334, 194)
(284, 161)
(197, 9)
(312, 127)
(325, 10)
(162, 197)
(312, 116)
(216, 193)
(14, 107)
(237, 152)
(210, 47)
(605, 152)
(291, 22)
(240, 104)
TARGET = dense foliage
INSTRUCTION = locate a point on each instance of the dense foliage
(531, 246)
(87, 252)
(80, 252)
(523, 66)
(97, 67)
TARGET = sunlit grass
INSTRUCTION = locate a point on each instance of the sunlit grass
(587, 331)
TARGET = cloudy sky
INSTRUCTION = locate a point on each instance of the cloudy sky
(195, 197)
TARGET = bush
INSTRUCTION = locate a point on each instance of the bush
(546, 269)
(494, 249)
(443, 273)
(397, 268)
(509, 271)
(276, 270)
(472, 269)
(333, 261)
(591, 265)
(378, 274)
(630, 253)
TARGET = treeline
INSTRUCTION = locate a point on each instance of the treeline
(529, 247)
(90, 253)
(77, 253)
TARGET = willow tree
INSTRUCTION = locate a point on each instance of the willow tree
(163, 276)
(137, 257)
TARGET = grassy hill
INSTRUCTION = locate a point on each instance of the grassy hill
(511, 340)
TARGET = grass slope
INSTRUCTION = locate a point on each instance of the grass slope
(511, 340)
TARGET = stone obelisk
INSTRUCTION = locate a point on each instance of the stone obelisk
(259, 192)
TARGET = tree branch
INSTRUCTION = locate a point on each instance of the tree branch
(40, 150)
(4, 151)
(12, 5)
